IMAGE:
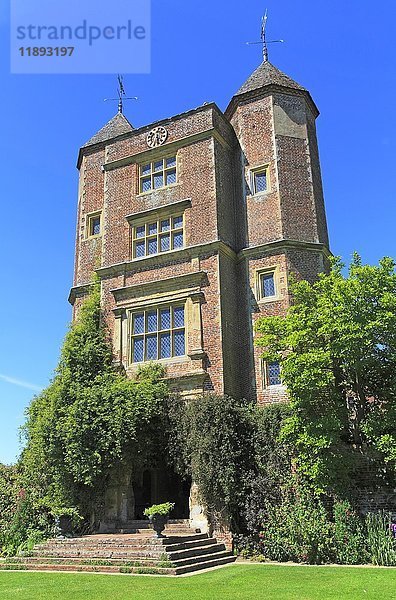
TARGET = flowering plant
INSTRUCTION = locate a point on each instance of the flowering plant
(393, 529)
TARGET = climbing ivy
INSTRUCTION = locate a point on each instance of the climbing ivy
(90, 419)
(230, 448)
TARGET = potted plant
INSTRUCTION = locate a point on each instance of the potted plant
(158, 515)
(66, 520)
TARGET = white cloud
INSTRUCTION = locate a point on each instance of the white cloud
(24, 384)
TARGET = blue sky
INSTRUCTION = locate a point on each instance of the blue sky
(343, 52)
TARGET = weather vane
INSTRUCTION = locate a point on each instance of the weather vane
(264, 42)
(121, 95)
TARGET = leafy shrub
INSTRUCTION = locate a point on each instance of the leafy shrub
(230, 448)
(298, 530)
(337, 341)
(21, 524)
(270, 470)
(349, 535)
(247, 546)
(211, 441)
(27, 526)
(9, 492)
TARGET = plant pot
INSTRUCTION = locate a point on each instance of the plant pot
(158, 522)
(63, 526)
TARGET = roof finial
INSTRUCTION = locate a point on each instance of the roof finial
(121, 92)
(121, 95)
(263, 38)
(264, 41)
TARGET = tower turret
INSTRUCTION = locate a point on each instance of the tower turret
(283, 228)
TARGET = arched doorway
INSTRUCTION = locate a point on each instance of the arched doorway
(155, 486)
(143, 493)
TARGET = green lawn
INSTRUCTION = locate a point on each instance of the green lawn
(268, 582)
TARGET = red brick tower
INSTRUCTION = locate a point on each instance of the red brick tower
(212, 216)
(193, 225)
(282, 223)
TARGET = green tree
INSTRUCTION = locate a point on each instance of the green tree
(337, 348)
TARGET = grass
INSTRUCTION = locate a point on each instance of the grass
(237, 582)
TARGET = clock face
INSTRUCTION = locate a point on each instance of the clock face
(156, 137)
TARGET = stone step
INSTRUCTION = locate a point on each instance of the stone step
(167, 532)
(170, 544)
(91, 556)
(117, 553)
(146, 525)
(88, 568)
(171, 531)
(174, 551)
(98, 554)
(139, 522)
(185, 545)
(192, 560)
(205, 564)
(177, 568)
(182, 525)
(121, 541)
(153, 551)
(141, 562)
(199, 551)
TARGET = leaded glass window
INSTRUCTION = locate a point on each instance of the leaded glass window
(158, 333)
(157, 174)
(93, 226)
(273, 374)
(156, 236)
(260, 181)
(267, 285)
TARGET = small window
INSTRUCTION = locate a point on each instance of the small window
(158, 174)
(93, 224)
(272, 374)
(267, 285)
(160, 235)
(158, 333)
(260, 181)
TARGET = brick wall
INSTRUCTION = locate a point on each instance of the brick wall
(277, 130)
(88, 250)
(117, 193)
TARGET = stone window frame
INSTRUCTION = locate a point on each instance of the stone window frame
(89, 218)
(150, 308)
(264, 168)
(180, 289)
(259, 274)
(266, 385)
(158, 213)
(157, 219)
(164, 171)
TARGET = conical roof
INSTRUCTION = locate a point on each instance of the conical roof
(267, 74)
(118, 125)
